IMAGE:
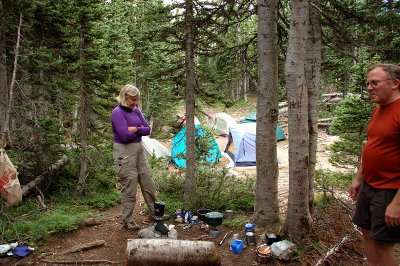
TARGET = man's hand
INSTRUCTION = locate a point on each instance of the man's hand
(354, 189)
(392, 214)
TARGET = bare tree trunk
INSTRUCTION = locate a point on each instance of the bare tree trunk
(3, 79)
(298, 214)
(266, 208)
(14, 74)
(84, 116)
(75, 118)
(312, 74)
(244, 75)
(5, 130)
(190, 181)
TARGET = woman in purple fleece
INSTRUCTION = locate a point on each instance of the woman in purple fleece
(129, 125)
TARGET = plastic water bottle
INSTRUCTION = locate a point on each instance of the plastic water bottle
(249, 227)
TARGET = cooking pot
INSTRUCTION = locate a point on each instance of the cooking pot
(264, 254)
(201, 213)
(214, 218)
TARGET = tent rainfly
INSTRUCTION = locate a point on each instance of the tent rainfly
(221, 122)
(241, 146)
(178, 147)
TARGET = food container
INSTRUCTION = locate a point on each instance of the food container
(195, 219)
(237, 246)
(229, 214)
(250, 238)
(272, 238)
(264, 254)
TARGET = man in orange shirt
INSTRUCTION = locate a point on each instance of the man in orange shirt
(377, 183)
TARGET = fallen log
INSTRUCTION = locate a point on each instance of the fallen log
(35, 182)
(148, 252)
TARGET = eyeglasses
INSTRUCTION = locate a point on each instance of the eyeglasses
(374, 83)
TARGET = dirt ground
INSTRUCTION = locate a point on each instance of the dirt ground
(331, 229)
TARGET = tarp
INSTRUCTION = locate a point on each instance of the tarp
(154, 147)
(178, 147)
(221, 122)
(241, 146)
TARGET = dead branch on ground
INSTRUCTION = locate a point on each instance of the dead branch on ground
(85, 246)
(80, 262)
(333, 250)
(94, 221)
(200, 237)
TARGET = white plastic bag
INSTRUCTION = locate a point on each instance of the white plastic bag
(10, 187)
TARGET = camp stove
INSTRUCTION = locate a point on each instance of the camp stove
(159, 207)
(214, 219)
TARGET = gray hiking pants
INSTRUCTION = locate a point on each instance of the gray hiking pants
(132, 168)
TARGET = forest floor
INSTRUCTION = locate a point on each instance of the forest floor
(332, 230)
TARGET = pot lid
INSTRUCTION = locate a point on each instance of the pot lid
(214, 215)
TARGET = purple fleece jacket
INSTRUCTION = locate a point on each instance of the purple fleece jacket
(122, 118)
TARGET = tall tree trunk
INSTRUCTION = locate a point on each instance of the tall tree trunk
(4, 95)
(190, 181)
(84, 113)
(312, 74)
(5, 134)
(298, 213)
(244, 75)
(266, 208)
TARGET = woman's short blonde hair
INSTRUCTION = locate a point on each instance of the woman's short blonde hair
(128, 90)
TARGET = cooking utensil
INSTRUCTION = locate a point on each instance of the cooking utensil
(222, 240)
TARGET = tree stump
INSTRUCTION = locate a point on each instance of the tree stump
(166, 252)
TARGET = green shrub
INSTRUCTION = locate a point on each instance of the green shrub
(327, 180)
(236, 222)
(327, 183)
(323, 200)
(215, 190)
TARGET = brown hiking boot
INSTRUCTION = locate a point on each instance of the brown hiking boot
(132, 226)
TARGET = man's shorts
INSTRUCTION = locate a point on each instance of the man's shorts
(370, 213)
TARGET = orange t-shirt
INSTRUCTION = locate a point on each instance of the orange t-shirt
(381, 155)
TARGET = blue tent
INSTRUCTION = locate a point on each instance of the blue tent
(241, 146)
(252, 117)
(178, 147)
